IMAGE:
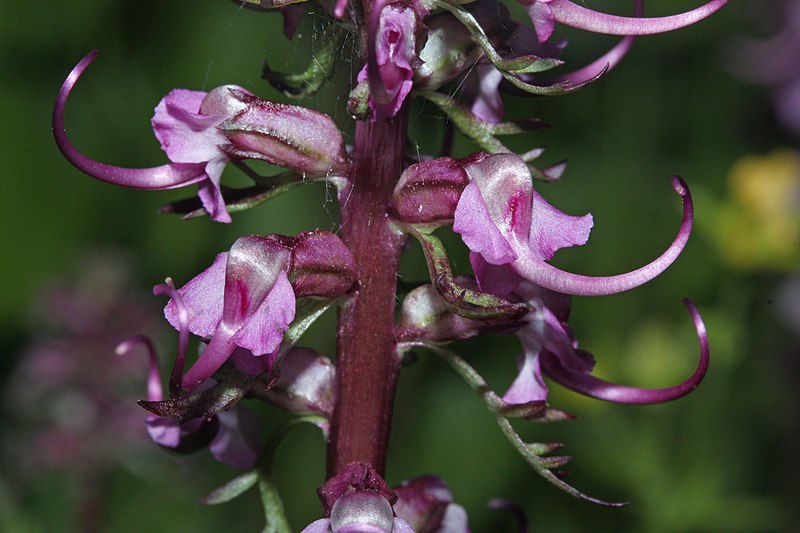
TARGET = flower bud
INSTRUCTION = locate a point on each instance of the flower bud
(428, 192)
(321, 265)
(449, 51)
(425, 316)
(285, 135)
(306, 383)
(362, 512)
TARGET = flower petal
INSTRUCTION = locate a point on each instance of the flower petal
(531, 267)
(529, 386)
(552, 230)
(185, 135)
(570, 14)
(161, 177)
(589, 385)
(203, 297)
(262, 332)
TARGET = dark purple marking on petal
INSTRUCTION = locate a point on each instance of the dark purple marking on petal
(534, 269)
(589, 385)
(570, 14)
(162, 177)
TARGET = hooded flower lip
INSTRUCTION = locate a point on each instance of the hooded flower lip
(507, 224)
(545, 13)
(244, 299)
(185, 125)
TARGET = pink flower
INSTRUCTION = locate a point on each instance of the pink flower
(512, 232)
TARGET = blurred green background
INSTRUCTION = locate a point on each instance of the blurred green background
(723, 459)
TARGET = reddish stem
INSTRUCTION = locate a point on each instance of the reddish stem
(367, 366)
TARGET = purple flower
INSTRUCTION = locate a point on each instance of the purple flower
(550, 349)
(391, 57)
(545, 13)
(201, 132)
(232, 437)
(243, 300)
(185, 124)
(512, 232)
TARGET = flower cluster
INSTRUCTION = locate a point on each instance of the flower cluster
(251, 306)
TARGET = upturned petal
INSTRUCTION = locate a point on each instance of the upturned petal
(585, 383)
(544, 12)
(161, 177)
(531, 266)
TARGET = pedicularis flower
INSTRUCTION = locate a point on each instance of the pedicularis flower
(246, 298)
(201, 132)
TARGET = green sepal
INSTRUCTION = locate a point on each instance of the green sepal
(509, 68)
(464, 302)
(518, 65)
(232, 489)
(305, 84)
(358, 102)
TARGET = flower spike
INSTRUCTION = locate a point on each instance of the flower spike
(544, 14)
(531, 267)
(589, 385)
(168, 176)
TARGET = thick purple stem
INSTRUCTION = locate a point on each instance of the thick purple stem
(367, 367)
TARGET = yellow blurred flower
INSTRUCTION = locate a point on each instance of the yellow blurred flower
(758, 226)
